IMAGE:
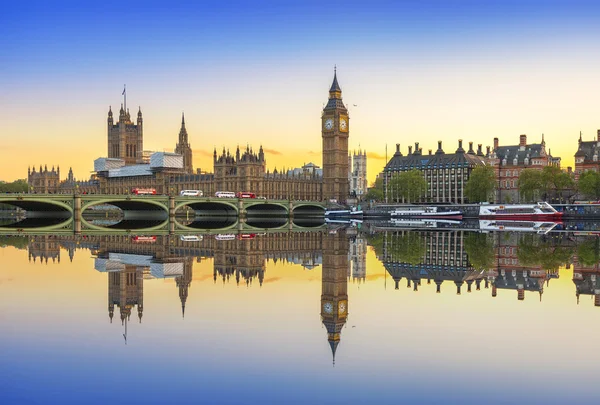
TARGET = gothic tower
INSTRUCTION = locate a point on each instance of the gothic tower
(334, 286)
(335, 128)
(125, 139)
(184, 148)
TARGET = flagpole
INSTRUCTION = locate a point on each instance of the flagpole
(385, 176)
(125, 98)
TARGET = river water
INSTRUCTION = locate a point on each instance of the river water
(340, 315)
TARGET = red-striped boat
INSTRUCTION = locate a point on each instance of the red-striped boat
(541, 211)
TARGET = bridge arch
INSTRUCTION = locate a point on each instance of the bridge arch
(267, 208)
(210, 224)
(308, 209)
(127, 203)
(41, 204)
(220, 207)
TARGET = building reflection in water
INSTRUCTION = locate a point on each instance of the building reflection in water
(430, 256)
(504, 261)
(511, 274)
(586, 270)
(334, 286)
(469, 261)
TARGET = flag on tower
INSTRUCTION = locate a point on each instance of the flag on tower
(123, 91)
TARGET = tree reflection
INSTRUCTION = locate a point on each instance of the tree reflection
(533, 251)
(406, 248)
(398, 247)
(480, 250)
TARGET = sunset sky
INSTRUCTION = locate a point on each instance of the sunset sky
(259, 72)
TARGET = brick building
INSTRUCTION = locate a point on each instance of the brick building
(586, 157)
(509, 161)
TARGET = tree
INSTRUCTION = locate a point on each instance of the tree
(530, 184)
(409, 186)
(17, 186)
(555, 181)
(481, 184)
(375, 192)
(589, 184)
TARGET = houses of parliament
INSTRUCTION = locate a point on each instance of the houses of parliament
(127, 165)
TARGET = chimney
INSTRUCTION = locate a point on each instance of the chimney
(598, 135)
(479, 151)
(410, 150)
(487, 149)
(397, 148)
(416, 146)
(429, 151)
(439, 150)
(471, 151)
(460, 148)
(496, 143)
(523, 140)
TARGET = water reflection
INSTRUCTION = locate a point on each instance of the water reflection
(505, 261)
(148, 282)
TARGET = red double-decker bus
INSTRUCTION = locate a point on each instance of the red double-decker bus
(143, 191)
(143, 239)
(245, 194)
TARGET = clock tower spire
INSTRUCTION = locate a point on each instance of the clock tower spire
(335, 127)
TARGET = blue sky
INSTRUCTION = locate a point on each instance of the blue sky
(258, 73)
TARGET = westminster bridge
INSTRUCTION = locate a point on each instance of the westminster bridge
(161, 213)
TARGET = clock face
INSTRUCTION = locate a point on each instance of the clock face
(342, 308)
(329, 123)
(328, 307)
(343, 124)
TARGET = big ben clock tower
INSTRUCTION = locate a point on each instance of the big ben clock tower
(335, 127)
(334, 286)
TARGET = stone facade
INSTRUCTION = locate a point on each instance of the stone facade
(43, 181)
(49, 182)
(126, 139)
(510, 161)
(446, 173)
(586, 157)
(335, 126)
(242, 171)
(357, 175)
(184, 148)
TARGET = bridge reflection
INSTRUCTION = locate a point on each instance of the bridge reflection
(472, 263)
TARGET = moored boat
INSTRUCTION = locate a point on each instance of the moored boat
(421, 222)
(541, 211)
(425, 212)
(540, 227)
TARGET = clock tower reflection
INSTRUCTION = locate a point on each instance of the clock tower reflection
(334, 286)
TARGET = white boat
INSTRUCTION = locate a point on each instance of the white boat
(425, 212)
(541, 211)
(343, 213)
(350, 221)
(540, 227)
(422, 222)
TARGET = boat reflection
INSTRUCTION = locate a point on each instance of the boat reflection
(490, 263)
